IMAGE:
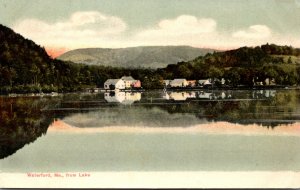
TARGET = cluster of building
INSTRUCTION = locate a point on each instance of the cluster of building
(190, 83)
(129, 83)
(126, 82)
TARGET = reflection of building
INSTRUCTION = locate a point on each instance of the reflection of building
(179, 96)
(114, 84)
(205, 95)
(270, 93)
(122, 97)
(223, 95)
(114, 96)
(263, 94)
(179, 83)
(213, 95)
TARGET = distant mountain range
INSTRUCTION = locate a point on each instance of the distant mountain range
(144, 56)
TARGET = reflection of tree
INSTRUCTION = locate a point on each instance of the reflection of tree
(270, 112)
(263, 107)
(21, 122)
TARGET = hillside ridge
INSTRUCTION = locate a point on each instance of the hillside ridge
(141, 56)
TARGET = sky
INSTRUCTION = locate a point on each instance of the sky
(62, 25)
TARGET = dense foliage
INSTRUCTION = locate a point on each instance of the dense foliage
(243, 66)
(26, 67)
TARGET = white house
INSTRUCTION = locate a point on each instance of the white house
(128, 80)
(131, 82)
(114, 84)
(204, 82)
(167, 82)
(179, 83)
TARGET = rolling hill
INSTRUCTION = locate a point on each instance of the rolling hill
(146, 56)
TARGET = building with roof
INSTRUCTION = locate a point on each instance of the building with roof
(192, 83)
(167, 82)
(131, 82)
(204, 82)
(114, 84)
(179, 83)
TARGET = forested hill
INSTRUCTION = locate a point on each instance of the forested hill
(144, 56)
(21, 60)
(253, 56)
(26, 67)
(242, 66)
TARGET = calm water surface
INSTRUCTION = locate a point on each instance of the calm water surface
(256, 130)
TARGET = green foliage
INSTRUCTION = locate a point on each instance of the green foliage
(244, 66)
(215, 72)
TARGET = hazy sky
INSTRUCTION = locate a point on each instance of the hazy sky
(221, 24)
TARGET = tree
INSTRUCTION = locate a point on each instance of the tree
(184, 72)
(233, 77)
(215, 73)
(270, 73)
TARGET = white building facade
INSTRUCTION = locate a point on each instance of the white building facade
(114, 84)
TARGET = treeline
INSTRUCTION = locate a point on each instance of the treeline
(243, 66)
(26, 67)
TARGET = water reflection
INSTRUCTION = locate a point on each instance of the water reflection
(179, 96)
(217, 95)
(217, 128)
(125, 98)
(21, 122)
(24, 119)
(263, 107)
(137, 116)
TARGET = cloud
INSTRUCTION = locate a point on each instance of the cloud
(182, 30)
(181, 26)
(94, 29)
(81, 29)
(201, 32)
(253, 32)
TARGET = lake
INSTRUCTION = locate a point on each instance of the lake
(210, 130)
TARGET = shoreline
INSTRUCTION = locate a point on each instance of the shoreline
(102, 90)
